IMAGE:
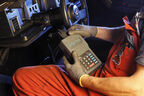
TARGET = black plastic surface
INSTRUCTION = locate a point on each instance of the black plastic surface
(25, 38)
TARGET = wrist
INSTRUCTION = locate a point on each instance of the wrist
(94, 31)
(80, 80)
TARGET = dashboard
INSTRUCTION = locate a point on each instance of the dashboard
(16, 28)
(24, 21)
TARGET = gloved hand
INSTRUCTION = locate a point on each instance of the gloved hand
(83, 30)
(75, 70)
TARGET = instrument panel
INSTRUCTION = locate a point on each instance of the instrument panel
(16, 30)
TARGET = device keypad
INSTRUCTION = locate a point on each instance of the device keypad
(88, 60)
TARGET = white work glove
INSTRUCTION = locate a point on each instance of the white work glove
(83, 30)
(75, 70)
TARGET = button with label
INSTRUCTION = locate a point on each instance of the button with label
(84, 58)
(87, 68)
(91, 65)
(83, 62)
(85, 65)
(96, 61)
(93, 58)
(89, 54)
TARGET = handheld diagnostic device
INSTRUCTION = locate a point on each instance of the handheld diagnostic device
(87, 58)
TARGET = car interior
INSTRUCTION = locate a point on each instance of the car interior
(31, 30)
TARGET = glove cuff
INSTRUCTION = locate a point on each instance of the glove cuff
(80, 83)
(94, 31)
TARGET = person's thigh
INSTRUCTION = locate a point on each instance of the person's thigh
(46, 80)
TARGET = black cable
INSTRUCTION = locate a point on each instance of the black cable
(51, 52)
(52, 56)
(4, 53)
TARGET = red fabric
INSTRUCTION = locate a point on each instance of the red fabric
(126, 57)
(46, 80)
(50, 80)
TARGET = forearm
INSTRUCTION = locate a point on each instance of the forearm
(110, 34)
(113, 86)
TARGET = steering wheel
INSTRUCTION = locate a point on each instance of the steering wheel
(73, 12)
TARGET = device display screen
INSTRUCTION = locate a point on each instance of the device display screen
(75, 43)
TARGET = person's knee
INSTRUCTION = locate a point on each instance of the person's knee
(26, 73)
(30, 74)
(21, 74)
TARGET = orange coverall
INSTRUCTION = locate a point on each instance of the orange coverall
(52, 80)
